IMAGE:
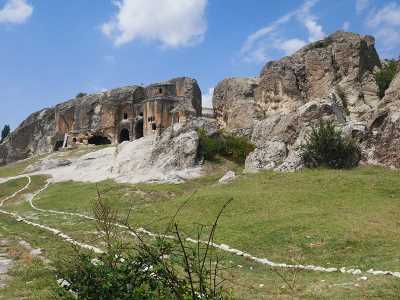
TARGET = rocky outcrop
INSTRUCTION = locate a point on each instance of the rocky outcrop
(340, 67)
(177, 148)
(234, 102)
(101, 115)
(382, 145)
(332, 79)
(189, 88)
(278, 137)
(34, 135)
(342, 64)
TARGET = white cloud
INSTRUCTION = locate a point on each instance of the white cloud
(259, 45)
(207, 98)
(173, 23)
(387, 16)
(315, 30)
(386, 25)
(15, 12)
(361, 5)
(346, 26)
(291, 46)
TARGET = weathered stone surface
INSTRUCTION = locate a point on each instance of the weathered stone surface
(34, 135)
(382, 146)
(189, 88)
(343, 64)
(48, 164)
(103, 115)
(333, 80)
(267, 157)
(279, 136)
(234, 102)
(177, 148)
(227, 178)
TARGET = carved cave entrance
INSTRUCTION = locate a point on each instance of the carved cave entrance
(139, 129)
(99, 140)
(58, 145)
(124, 135)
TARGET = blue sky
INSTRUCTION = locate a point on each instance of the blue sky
(53, 49)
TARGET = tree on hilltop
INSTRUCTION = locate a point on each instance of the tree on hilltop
(5, 132)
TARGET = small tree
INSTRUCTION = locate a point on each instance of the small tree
(5, 132)
(385, 76)
(326, 147)
(80, 95)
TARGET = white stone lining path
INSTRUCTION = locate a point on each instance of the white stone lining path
(56, 232)
(223, 247)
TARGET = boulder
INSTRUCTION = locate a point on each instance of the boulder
(267, 157)
(227, 178)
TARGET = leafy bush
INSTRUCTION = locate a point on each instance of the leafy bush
(80, 95)
(225, 145)
(142, 270)
(325, 146)
(385, 76)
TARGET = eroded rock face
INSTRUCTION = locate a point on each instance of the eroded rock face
(234, 102)
(102, 115)
(333, 80)
(382, 145)
(342, 64)
(278, 137)
(34, 135)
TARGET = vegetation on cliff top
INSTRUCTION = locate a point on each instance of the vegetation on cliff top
(385, 76)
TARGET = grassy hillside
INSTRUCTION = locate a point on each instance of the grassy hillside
(320, 217)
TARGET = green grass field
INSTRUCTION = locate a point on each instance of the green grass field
(320, 217)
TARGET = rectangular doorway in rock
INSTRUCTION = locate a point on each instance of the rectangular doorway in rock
(139, 129)
(124, 136)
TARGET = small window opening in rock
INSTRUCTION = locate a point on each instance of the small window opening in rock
(154, 126)
(160, 90)
(99, 140)
(74, 140)
(125, 116)
(81, 141)
(124, 135)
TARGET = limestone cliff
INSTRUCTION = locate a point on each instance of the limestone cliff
(332, 79)
(102, 116)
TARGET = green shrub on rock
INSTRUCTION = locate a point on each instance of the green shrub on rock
(385, 76)
(225, 145)
(326, 147)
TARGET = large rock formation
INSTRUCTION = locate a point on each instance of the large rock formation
(343, 64)
(332, 79)
(103, 117)
(383, 143)
(234, 102)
